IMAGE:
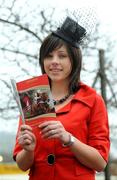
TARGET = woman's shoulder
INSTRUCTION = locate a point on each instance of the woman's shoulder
(87, 94)
(86, 88)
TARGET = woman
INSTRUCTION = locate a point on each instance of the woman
(76, 144)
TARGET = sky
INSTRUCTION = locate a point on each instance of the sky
(105, 10)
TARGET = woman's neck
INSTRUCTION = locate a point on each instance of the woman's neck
(59, 90)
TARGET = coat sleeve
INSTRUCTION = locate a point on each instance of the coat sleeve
(17, 147)
(99, 128)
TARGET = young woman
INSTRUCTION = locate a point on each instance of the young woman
(76, 144)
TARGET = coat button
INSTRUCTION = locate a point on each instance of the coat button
(51, 159)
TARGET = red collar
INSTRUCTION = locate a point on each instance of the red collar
(85, 95)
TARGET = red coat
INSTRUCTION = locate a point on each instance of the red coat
(86, 118)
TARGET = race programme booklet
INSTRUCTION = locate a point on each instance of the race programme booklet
(34, 99)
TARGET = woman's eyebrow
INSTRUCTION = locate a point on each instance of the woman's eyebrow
(63, 51)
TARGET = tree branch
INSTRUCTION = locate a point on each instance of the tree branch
(95, 79)
(22, 28)
(19, 52)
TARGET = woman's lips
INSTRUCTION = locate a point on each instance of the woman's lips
(55, 70)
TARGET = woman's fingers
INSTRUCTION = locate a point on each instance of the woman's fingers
(47, 123)
(51, 133)
(26, 138)
(49, 128)
(52, 129)
(23, 140)
(25, 127)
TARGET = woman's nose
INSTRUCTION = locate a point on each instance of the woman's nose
(55, 60)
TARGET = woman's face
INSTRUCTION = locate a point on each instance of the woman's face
(57, 65)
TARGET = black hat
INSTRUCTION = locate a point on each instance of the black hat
(71, 32)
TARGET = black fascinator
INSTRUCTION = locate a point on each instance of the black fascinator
(71, 32)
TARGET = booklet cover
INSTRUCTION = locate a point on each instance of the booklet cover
(34, 99)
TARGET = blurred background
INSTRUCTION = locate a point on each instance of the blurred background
(23, 26)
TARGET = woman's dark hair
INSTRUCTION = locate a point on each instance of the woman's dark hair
(51, 43)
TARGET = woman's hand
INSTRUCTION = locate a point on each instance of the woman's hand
(54, 129)
(26, 138)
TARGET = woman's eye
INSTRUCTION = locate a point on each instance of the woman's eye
(49, 56)
(62, 55)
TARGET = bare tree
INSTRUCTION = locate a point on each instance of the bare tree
(21, 35)
(22, 31)
(105, 85)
